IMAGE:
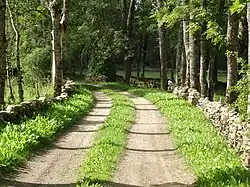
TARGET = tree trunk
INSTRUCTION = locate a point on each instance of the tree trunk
(248, 21)
(63, 26)
(204, 58)
(203, 67)
(19, 70)
(194, 59)
(187, 51)
(243, 41)
(130, 53)
(124, 15)
(162, 50)
(232, 41)
(243, 37)
(138, 66)
(144, 53)
(56, 48)
(183, 67)
(3, 45)
(211, 69)
(163, 60)
(186, 48)
(178, 72)
(18, 62)
(11, 97)
(82, 63)
(170, 58)
(215, 71)
(139, 57)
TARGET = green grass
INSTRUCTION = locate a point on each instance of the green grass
(103, 157)
(29, 92)
(206, 151)
(18, 140)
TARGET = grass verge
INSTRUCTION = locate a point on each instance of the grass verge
(18, 140)
(102, 158)
(203, 147)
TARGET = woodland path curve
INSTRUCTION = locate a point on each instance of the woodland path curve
(151, 159)
(59, 165)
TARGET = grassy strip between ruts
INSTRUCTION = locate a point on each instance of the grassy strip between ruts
(18, 140)
(204, 148)
(102, 158)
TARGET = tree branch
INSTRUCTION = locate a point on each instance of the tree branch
(11, 18)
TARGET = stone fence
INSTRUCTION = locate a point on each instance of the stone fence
(26, 109)
(225, 119)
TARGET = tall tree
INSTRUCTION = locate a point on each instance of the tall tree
(163, 49)
(194, 57)
(211, 69)
(204, 56)
(130, 47)
(248, 21)
(58, 17)
(16, 27)
(183, 67)
(232, 43)
(179, 62)
(186, 47)
(144, 54)
(124, 15)
(3, 46)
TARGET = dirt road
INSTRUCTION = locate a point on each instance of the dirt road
(58, 166)
(151, 159)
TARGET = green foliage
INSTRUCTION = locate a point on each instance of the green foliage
(243, 90)
(103, 157)
(18, 140)
(238, 6)
(106, 51)
(175, 12)
(204, 148)
(96, 34)
(37, 65)
(215, 33)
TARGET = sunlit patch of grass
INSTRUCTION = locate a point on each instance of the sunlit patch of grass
(213, 162)
(18, 140)
(103, 157)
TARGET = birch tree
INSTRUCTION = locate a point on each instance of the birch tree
(186, 47)
(14, 19)
(59, 16)
(2, 51)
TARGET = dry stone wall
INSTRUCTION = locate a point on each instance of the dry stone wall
(226, 120)
(25, 109)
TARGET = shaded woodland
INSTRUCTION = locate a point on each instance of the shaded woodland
(196, 44)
